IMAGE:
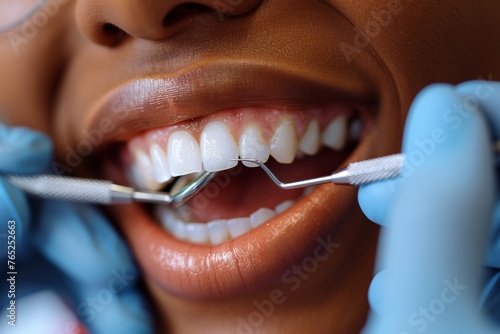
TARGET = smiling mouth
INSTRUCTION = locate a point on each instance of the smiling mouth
(299, 143)
(218, 243)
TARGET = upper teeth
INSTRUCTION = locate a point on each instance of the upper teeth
(181, 154)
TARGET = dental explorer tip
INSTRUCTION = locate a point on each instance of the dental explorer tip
(251, 160)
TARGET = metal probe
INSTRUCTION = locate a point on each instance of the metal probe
(105, 192)
(101, 191)
(355, 174)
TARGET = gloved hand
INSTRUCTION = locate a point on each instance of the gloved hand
(439, 252)
(65, 248)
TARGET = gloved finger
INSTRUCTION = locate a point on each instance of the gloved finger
(13, 209)
(81, 242)
(23, 150)
(376, 198)
(15, 221)
(439, 221)
(47, 313)
(375, 293)
(493, 254)
(487, 95)
(489, 299)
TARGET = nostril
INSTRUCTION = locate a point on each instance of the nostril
(108, 23)
(183, 12)
(112, 33)
(110, 28)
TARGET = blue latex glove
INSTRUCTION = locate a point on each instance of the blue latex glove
(66, 248)
(439, 250)
(21, 152)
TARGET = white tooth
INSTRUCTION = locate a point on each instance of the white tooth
(178, 229)
(238, 226)
(167, 220)
(284, 143)
(311, 141)
(172, 223)
(261, 216)
(355, 130)
(160, 164)
(218, 147)
(183, 154)
(253, 146)
(142, 171)
(283, 206)
(218, 231)
(197, 233)
(335, 135)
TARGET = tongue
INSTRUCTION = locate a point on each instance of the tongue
(241, 191)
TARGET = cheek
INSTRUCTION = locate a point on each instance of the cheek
(31, 59)
(18, 87)
(422, 42)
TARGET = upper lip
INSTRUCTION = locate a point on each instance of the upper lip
(198, 90)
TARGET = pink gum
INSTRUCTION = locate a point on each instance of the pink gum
(238, 119)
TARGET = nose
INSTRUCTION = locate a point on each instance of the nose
(107, 22)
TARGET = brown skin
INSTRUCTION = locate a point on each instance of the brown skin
(54, 79)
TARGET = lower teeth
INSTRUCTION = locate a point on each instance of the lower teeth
(217, 231)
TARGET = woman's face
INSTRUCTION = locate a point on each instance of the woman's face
(138, 91)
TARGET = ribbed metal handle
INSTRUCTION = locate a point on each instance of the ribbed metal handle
(377, 169)
(64, 188)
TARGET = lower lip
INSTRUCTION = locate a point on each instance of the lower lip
(242, 265)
